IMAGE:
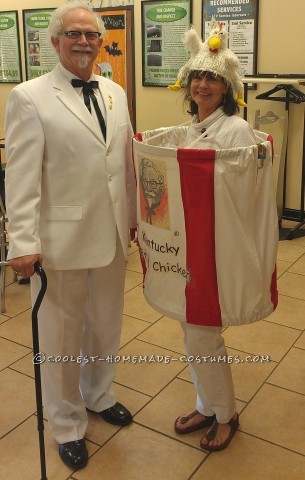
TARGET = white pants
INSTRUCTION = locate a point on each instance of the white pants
(212, 380)
(81, 315)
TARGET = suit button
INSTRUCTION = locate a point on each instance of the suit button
(109, 178)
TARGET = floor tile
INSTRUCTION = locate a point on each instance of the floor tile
(289, 252)
(132, 279)
(287, 376)
(185, 374)
(282, 267)
(15, 388)
(11, 352)
(131, 328)
(3, 318)
(289, 312)
(136, 306)
(249, 373)
(20, 458)
(133, 400)
(301, 240)
(19, 329)
(98, 431)
(17, 299)
(250, 458)
(146, 368)
(25, 365)
(278, 416)
(133, 247)
(292, 285)
(137, 453)
(300, 343)
(261, 338)
(134, 263)
(177, 398)
(298, 266)
(166, 333)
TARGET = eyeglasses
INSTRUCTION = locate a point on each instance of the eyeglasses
(75, 35)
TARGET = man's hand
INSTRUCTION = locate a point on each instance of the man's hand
(24, 266)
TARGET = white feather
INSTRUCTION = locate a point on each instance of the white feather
(192, 41)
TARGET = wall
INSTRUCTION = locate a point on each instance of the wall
(280, 41)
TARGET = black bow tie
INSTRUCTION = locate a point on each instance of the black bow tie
(89, 93)
(80, 83)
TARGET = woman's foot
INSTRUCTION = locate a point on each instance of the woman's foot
(220, 435)
(192, 422)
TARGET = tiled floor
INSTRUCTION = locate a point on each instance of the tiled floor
(270, 443)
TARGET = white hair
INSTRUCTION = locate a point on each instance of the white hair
(55, 24)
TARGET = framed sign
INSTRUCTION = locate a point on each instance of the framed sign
(240, 19)
(10, 63)
(40, 56)
(164, 24)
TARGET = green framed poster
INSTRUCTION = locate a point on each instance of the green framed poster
(164, 24)
(40, 55)
(10, 63)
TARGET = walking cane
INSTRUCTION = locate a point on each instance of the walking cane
(40, 425)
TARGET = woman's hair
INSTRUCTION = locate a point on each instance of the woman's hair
(55, 24)
(229, 105)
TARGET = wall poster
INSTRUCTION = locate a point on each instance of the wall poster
(240, 18)
(116, 57)
(164, 24)
(39, 53)
(111, 60)
(10, 64)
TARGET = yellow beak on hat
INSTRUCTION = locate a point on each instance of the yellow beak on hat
(214, 43)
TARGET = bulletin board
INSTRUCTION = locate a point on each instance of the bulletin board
(164, 24)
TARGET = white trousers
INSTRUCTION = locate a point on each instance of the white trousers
(80, 317)
(212, 379)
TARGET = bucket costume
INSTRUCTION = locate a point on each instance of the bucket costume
(207, 231)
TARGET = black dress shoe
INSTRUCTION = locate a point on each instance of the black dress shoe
(117, 415)
(74, 454)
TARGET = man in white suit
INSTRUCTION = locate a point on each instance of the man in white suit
(71, 206)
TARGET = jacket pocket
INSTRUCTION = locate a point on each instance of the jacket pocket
(63, 213)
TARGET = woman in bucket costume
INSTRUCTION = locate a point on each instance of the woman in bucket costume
(213, 91)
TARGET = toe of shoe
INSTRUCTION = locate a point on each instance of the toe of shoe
(74, 454)
(117, 415)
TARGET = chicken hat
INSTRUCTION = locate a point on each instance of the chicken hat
(213, 55)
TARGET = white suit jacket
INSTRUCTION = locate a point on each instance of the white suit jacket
(67, 191)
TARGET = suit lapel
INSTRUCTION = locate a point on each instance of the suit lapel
(67, 95)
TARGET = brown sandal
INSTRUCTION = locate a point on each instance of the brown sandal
(185, 418)
(234, 424)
